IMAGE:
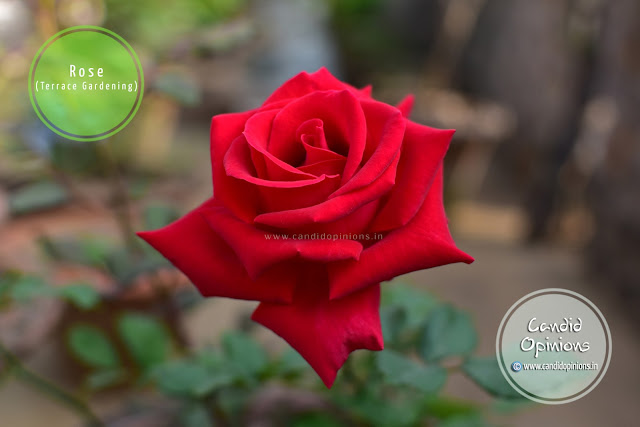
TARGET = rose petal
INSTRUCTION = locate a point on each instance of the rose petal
(385, 132)
(344, 122)
(365, 92)
(316, 155)
(424, 242)
(275, 196)
(422, 152)
(406, 105)
(325, 331)
(257, 132)
(318, 159)
(355, 223)
(312, 133)
(224, 129)
(334, 208)
(259, 249)
(274, 199)
(305, 83)
(238, 164)
(203, 256)
(327, 167)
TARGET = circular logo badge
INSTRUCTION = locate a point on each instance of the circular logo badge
(86, 83)
(553, 346)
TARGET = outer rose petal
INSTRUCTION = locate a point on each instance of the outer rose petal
(406, 105)
(424, 242)
(422, 152)
(365, 92)
(197, 251)
(224, 129)
(354, 223)
(305, 83)
(325, 331)
(257, 252)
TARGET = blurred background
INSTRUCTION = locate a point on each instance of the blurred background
(542, 178)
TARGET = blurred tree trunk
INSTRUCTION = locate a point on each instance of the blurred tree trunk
(615, 190)
(522, 55)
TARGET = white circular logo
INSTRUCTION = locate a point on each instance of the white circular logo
(553, 346)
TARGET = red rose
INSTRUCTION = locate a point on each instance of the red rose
(319, 195)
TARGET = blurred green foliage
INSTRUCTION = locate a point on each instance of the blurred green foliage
(388, 388)
(426, 341)
(158, 27)
(16, 287)
(37, 196)
(109, 257)
(92, 346)
(146, 339)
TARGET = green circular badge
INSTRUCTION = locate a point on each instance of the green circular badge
(86, 83)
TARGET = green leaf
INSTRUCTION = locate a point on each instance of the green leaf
(400, 370)
(393, 320)
(445, 407)
(315, 419)
(233, 400)
(510, 405)
(5, 289)
(381, 411)
(447, 332)
(485, 372)
(474, 420)
(91, 345)
(26, 288)
(7, 280)
(38, 196)
(126, 269)
(75, 159)
(106, 378)
(95, 251)
(159, 215)
(195, 415)
(82, 296)
(188, 379)
(291, 362)
(415, 303)
(245, 353)
(211, 358)
(146, 339)
(86, 251)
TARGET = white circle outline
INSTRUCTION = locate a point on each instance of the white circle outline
(579, 297)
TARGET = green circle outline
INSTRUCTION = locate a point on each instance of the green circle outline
(119, 126)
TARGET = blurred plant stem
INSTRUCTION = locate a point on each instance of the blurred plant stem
(120, 196)
(69, 183)
(13, 366)
(349, 373)
(217, 413)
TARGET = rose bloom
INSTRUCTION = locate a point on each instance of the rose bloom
(319, 158)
